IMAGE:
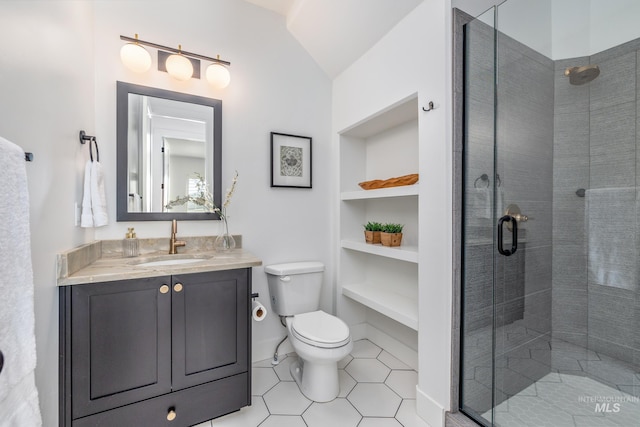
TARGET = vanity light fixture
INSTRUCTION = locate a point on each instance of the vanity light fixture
(135, 57)
(179, 64)
(218, 75)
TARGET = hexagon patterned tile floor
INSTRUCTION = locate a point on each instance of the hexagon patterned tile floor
(376, 390)
(568, 401)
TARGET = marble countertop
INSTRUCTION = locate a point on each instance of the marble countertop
(96, 262)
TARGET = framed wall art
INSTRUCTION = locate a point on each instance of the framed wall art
(290, 160)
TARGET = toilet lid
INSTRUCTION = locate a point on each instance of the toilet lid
(320, 329)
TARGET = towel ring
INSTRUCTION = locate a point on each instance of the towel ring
(483, 177)
(83, 140)
(97, 151)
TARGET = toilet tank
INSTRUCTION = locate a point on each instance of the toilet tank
(295, 287)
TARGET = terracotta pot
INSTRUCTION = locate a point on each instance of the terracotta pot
(372, 236)
(391, 239)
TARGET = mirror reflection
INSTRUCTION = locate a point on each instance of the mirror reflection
(171, 142)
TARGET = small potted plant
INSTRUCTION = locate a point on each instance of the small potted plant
(372, 232)
(391, 234)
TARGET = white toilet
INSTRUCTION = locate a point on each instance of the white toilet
(319, 339)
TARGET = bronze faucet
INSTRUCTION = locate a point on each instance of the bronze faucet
(173, 243)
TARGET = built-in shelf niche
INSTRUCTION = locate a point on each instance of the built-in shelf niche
(384, 279)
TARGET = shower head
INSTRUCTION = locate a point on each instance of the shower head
(581, 75)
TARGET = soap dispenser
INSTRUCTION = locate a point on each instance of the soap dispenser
(130, 244)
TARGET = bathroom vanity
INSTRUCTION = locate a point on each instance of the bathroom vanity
(156, 340)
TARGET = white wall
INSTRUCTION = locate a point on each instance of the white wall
(58, 69)
(527, 21)
(474, 7)
(46, 82)
(583, 28)
(415, 57)
(275, 86)
(563, 28)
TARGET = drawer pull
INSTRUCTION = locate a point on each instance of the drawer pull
(164, 289)
(171, 415)
(177, 287)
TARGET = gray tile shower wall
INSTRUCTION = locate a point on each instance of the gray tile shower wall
(525, 98)
(595, 147)
(570, 172)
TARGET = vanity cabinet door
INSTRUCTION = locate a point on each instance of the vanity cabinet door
(211, 324)
(120, 343)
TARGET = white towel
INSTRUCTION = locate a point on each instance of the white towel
(18, 394)
(610, 221)
(86, 219)
(480, 202)
(98, 198)
(94, 201)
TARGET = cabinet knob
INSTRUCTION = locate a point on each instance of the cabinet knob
(177, 287)
(164, 289)
(171, 415)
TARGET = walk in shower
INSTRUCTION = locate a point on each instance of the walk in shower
(550, 321)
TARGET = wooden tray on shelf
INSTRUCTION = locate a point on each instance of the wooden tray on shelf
(391, 182)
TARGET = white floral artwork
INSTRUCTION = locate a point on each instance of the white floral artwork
(290, 161)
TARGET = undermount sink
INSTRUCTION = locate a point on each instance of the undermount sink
(170, 261)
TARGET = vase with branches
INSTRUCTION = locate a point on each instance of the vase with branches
(203, 198)
(225, 241)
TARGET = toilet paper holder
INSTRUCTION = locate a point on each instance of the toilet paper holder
(258, 311)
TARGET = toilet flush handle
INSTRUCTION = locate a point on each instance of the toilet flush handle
(285, 278)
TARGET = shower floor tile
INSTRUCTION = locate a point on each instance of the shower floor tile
(574, 402)
(543, 381)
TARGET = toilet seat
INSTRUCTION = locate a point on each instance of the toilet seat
(320, 329)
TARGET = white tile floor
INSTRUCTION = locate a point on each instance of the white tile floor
(376, 390)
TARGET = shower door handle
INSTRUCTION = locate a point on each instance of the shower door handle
(514, 235)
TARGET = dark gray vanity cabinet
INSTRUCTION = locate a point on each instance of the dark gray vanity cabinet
(171, 350)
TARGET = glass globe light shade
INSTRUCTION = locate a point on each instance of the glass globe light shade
(179, 67)
(135, 57)
(218, 76)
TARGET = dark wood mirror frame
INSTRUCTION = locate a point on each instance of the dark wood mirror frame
(123, 214)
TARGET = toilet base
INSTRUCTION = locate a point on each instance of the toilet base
(318, 382)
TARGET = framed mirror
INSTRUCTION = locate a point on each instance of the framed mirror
(169, 148)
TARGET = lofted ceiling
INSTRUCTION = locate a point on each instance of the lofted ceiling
(338, 32)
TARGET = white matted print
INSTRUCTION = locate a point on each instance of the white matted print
(290, 160)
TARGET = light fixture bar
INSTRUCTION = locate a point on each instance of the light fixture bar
(174, 50)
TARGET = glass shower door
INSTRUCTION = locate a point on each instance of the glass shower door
(480, 181)
(551, 215)
(524, 162)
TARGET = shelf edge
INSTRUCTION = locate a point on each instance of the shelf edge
(382, 193)
(359, 295)
(401, 253)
